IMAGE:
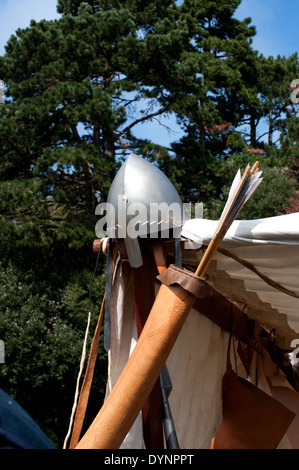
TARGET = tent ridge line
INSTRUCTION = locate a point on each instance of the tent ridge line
(268, 280)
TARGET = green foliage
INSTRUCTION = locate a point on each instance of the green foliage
(43, 317)
(72, 87)
(270, 197)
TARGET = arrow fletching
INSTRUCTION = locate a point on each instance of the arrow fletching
(241, 189)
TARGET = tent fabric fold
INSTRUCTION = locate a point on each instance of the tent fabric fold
(264, 374)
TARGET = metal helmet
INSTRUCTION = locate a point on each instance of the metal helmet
(140, 186)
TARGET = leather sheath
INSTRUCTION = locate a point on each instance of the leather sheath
(184, 278)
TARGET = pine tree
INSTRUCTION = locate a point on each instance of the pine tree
(73, 89)
(216, 70)
(273, 79)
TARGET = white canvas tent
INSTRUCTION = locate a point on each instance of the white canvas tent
(256, 273)
(258, 268)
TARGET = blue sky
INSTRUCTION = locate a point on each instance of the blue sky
(276, 21)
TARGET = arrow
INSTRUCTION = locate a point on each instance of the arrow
(241, 190)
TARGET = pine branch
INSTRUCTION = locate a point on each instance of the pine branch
(143, 119)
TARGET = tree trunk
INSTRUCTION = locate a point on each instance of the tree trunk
(270, 135)
(202, 139)
(108, 142)
(107, 131)
(202, 130)
(252, 130)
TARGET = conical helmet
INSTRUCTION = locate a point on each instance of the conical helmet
(145, 204)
